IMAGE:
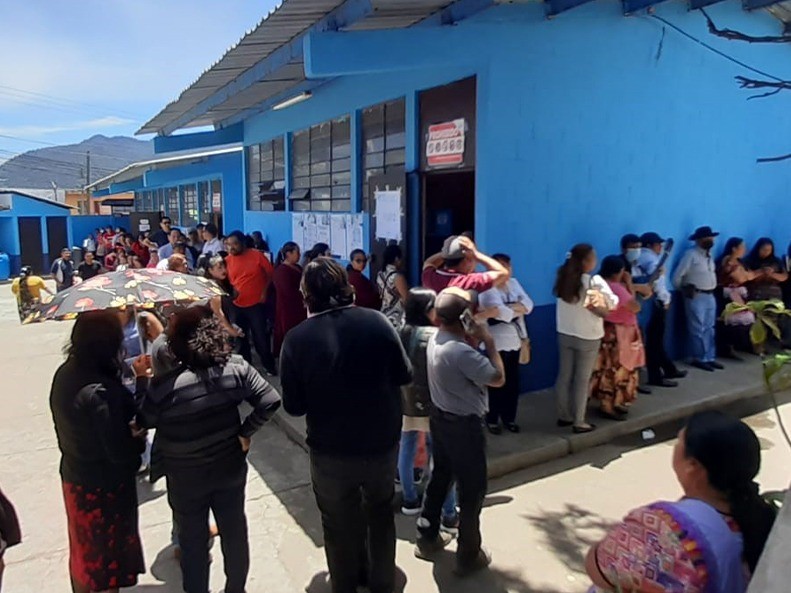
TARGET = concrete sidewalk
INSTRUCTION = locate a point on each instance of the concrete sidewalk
(541, 440)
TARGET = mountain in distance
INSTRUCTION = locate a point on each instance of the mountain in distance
(66, 166)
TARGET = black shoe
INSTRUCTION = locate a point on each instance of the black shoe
(703, 366)
(583, 429)
(483, 560)
(677, 374)
(618, 417)
(643, 389)
(512, 427)
(494, 428)
(664, 383)
(426, 549)
(716, 365)
(565, 423)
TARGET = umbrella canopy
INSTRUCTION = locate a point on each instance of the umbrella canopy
(139, 288)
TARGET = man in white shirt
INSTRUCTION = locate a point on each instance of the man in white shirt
(661, 369)
(696, 277)
(211, 244)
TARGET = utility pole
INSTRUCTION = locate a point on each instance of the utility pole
(88, 168)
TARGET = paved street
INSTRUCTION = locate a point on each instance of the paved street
(538, 523)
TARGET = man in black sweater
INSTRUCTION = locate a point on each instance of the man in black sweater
(343, 368)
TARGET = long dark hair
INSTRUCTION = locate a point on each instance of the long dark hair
(25, 298)
(730, 453)
(611, 265)
(96, 341)
(325, 285)
(419, 303)
(197, 339)
(730, 246)
(288, 247)
(205, 265)
(568, 282)
(318, 250)
(755, 261)
(391, 254)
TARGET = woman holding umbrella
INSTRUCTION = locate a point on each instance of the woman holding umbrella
(100, 455)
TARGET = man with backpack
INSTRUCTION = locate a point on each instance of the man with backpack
(63, 270)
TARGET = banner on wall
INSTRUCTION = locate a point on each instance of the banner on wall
(445, 144)
(342, 232)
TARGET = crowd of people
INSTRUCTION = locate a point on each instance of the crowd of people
(377, 368)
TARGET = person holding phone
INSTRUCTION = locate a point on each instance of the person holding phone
(459, 377)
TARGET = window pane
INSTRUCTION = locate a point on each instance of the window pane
(321, 205)
(341, 191)
(317, 168)
(342, 179)
(300, 205)
(320, 181)
(342, 165)
(301, 182)
(341, 139)
(341, 206)
(373, 128)
(189, 212)
(375, 144)
(374, 160)
(395, 157)
(300, 145)
(395, 122)
(320, 193)
(301, 170)
(320, 142)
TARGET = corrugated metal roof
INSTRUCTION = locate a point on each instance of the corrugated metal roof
(782, 11)
(285, 23)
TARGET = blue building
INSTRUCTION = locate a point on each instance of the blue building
(204, 186)
(535, 125)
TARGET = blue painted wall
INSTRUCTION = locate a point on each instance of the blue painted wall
(591, 125)
(82, 226)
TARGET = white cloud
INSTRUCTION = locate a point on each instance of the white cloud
(28, 131)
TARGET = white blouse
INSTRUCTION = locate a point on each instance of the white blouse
(507, 335)
(574, 319)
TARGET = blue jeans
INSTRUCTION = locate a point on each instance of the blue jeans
(406, 466)
(701, 318)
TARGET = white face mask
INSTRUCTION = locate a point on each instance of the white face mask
(632, 255)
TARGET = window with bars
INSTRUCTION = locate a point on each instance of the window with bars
(170, 203)
(321, 172)
(384, 142)
(189, 208)
(266, 176)
(214, 203)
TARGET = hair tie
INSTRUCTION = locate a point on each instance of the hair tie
(568, 255)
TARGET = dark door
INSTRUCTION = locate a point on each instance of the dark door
(30, 251)
(57, 236)
(383, 233)
(448, 207)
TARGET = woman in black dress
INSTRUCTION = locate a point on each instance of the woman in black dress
(100, 455)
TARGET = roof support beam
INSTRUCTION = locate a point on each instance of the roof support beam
(755, 4)
(347, 13)
(632, 6)
(458, 11)
(696, 4)
(555, 7)
(226, 135)
(329, 55)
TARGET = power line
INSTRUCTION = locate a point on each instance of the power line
(61, 147)
(54, 100)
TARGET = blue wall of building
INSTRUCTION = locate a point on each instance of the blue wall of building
(591, 125)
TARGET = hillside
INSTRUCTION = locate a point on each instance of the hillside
(66, 165)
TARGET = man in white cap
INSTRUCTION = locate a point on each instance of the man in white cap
(455, 266)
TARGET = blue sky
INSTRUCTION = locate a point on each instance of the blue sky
(70, 70)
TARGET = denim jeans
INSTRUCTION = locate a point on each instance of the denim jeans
(701, 319)
(406, 466)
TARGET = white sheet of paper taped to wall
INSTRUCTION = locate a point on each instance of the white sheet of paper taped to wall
(388, 215)
(298, 230)
(323, 229)
(354, 232)
(338, 241)
(311, 232)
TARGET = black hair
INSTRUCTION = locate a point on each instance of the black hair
(568, 282)
(419, 303)
(325, 285)
(730, 246)
(611, 265)
(755, 261)
(502, 258)
(629, 239)
(96, 341)
(239, 236)
(350, 267)
(197, 339)
(391, 254)
(318, 250)
(730, 453)
(211, 228)
(288, 247)
(204, 268)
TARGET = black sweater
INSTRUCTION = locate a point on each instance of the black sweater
(343, 369)
(197, 414)
(92, 411)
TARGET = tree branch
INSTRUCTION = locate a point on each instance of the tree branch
(753, 84)
(732, 35)
(773, 159)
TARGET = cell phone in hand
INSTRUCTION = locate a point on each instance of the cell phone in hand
(467, 320)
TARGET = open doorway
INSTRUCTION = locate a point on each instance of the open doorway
(448, 206)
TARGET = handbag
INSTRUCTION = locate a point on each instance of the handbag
(525, 347)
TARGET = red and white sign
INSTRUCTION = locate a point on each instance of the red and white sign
(445, 144)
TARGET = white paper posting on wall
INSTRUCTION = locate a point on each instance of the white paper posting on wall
(388, 215)
(298, 230)
(311, 232)
(354, 232)
(323, 228)
(338, 242)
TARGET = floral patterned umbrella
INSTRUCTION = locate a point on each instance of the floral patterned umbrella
(139, 288)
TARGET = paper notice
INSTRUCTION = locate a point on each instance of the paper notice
(354, 231)
(323, 229)
(338, 242)
(298, 230)
(388, 215)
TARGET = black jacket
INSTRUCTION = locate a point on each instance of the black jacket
(92, 411)
(343, 369)
(196, 414)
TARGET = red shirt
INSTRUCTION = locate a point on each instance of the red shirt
(250, 274)
(439, 280)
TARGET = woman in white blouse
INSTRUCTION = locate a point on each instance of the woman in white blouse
(506, 307)
(583, 301)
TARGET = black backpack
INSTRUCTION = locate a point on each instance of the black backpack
(416, 397)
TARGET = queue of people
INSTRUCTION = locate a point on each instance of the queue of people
(437, 363)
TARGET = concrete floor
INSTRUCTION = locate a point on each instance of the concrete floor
(538, 522)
